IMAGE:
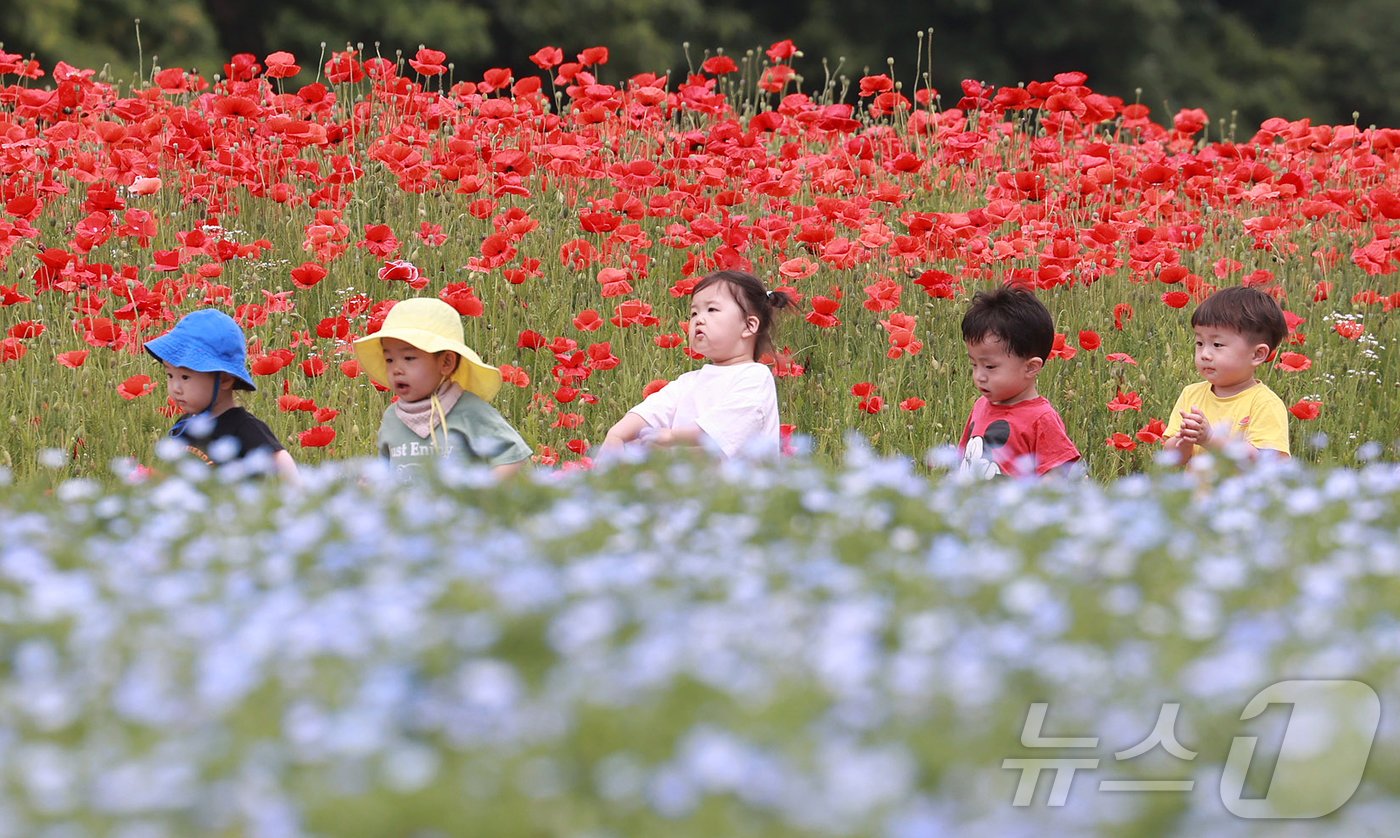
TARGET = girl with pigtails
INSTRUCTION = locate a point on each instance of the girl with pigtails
(730, 405)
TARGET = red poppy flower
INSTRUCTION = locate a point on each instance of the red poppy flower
(428, 62)
(12, 349)
(1121, 357)
(872, 405)
(333, 327)
(588, 320)
(350, 368)
(1152, 432)
(1125, 401)
(1306, 409)
(249, 315)
(1294, 361)
(668, 341)
(1122, 442)
(317, 437)
(401, 270)
(514, 375)
(654, 385)
(567, 420)
(99, 331)
(615, 282)
(313, 367)
(1257, 278)
(871, 85)
(593, 55)
(26, 329)
(823, 314)
(73, 359)
(633, 313)
(325, 414)
(863, 389)
(600, 356)
(1062, 349)
(1089, 341)
(265, 364)
(1172, 274)
(135, 387)
(561, 347)
(531, 339)
(1176, 299)
(882, 295)
(1122, 313)
(10, 295)
(1188, 121)
(781, 51)
(462, 297)
(1349, 329)
(308, 274)
(547, 57)
(912, 403)
(281, 65)
(719, 65)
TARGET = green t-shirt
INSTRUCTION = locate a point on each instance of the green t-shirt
(476, 431)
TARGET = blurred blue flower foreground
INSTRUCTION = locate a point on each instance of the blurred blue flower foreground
(685, 649)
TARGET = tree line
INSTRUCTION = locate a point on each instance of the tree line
(1327, 60)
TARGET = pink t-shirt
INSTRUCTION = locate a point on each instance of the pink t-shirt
(1000, 439)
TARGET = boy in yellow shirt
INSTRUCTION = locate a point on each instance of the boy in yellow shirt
(1237, 329)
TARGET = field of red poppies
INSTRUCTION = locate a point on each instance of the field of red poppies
(566, 214)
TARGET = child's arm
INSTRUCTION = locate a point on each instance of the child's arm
(286, 467)
(628, 428)
(688, 435)
(1172, 440)
(507, 470)
(1182, 449)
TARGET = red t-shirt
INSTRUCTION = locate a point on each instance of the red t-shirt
(998, 437)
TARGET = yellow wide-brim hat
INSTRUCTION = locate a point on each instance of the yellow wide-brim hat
(432, 326)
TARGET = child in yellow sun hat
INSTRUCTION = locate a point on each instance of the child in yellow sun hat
(443, 390)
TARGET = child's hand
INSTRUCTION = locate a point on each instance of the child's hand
(657, 437)
(1194, 427)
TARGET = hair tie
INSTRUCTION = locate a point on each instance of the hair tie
(772, 297)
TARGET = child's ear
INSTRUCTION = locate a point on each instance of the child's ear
(1262, 353)
(750, 326)
(448, 361)
(1034, 365)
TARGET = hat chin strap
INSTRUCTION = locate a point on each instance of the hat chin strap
(437, 411)
(179, 428)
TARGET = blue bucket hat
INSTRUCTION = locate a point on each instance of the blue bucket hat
(206, 341)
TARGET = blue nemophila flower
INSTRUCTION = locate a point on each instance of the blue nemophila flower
(818, 651)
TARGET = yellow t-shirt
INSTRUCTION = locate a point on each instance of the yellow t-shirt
(1257, 414)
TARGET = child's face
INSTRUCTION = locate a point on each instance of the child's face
(1000, 376)
(414, 374)
(192, 391)
(719, 329)
(1227, 359)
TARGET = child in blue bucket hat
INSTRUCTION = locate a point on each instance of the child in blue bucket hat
(206, 359)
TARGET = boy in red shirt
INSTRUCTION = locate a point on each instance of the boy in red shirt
(1013, 430)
